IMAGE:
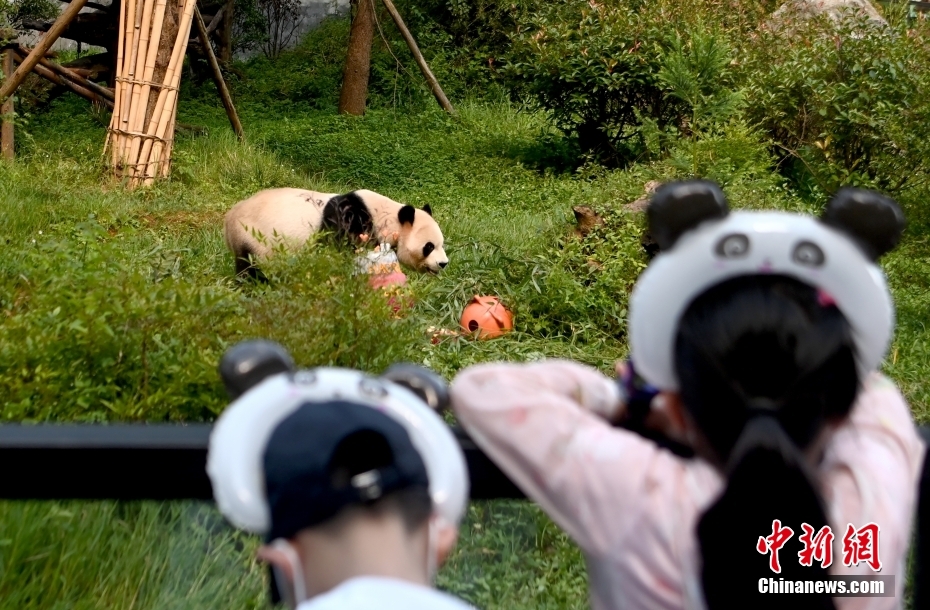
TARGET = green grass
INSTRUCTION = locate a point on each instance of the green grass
(117, 305)
(146, 273)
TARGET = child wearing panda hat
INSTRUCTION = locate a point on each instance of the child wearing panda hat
(763, 332)
(356, 484)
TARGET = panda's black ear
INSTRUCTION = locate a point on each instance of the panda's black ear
(405, 216)
(428, 209)
(677, 207)
(874, 221)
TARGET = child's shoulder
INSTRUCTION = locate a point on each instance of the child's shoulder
(370, 593)
(877, 381)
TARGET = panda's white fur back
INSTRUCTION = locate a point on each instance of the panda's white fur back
(289, 216)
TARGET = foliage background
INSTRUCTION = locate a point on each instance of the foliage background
(116, 305)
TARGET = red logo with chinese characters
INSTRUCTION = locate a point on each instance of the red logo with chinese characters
(819, 547)
(773, 543)
(859, 545)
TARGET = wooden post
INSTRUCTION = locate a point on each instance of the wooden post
(358, 60)
(10, 84)
(6, 109)
(217, 74)
(411, 43)
(226, 28)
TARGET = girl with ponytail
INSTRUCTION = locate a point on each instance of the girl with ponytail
(761, 333)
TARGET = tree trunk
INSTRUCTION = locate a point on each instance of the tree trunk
(226, 28)
(169, 33)
(358, 60)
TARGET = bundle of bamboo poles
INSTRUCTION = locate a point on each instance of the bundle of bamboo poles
(141, 133)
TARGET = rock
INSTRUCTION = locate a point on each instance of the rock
(586, 219)
(836, 10)
(642, 203)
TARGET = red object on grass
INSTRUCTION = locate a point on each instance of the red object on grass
(486, 317)
(383, 280)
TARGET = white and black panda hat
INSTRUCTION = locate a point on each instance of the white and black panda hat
(702, 243)
(269, 450)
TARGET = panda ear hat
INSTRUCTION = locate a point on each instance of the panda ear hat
(702, 243)
(241, 434)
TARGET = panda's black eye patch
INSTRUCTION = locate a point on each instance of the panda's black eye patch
(735, 245)
(808, 254)
(428, 249)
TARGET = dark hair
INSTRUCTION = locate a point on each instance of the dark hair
(763, 364)
(369, 450)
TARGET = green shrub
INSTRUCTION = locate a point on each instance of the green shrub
(695, 72)
(845, 104)
(14, 12)
(313, 69)
(465, 41)
(595, 69)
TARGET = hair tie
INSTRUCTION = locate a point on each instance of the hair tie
(825, 299)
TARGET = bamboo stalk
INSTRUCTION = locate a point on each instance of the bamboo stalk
(141, 52)
(43, 45)
(169, 147)
(117, 87)
(165, 105)
(132, 87)
(218, 75)
(6, 109)
(415, 50)
(121, 114)
(147, 73)
(128, 61)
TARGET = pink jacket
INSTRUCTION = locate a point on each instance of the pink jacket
(633, 508)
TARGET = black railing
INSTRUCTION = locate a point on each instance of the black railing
(146, 461)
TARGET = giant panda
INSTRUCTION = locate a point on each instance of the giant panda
(289, 216)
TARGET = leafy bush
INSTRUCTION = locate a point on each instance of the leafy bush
(695, 72)
(249, 26)
(313, 69)
(595, 68)
(14, 12)
(465, 41)
(844, 104)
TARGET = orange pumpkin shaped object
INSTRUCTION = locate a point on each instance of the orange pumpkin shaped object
(486, 317)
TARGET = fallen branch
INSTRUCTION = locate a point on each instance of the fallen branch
(54, 78)
(70, 75)
(215, 22)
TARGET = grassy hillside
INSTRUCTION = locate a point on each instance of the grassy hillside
(118, 305)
